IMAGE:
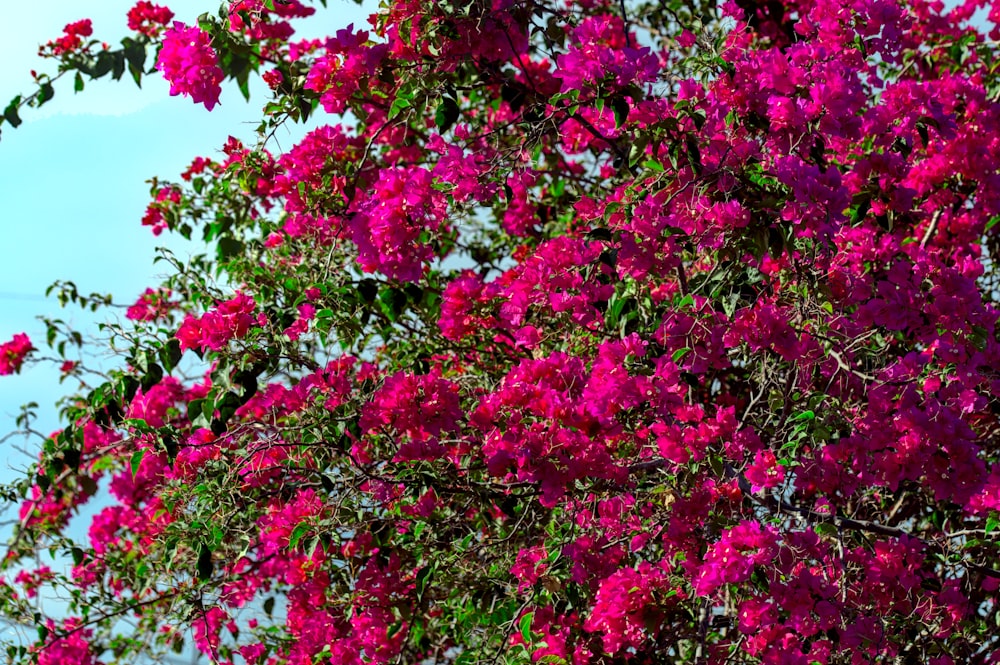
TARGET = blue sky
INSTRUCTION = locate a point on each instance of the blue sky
(73, 176)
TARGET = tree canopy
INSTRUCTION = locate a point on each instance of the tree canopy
(571, 332)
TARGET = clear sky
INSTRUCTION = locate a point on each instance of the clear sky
(73, 176)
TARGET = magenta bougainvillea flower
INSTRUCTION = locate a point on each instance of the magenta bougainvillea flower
(149, 19)
(13, 353)
(190, 65)
(213, 330)
(71, 40)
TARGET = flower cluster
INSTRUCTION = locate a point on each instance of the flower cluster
(601, 53)
(231, 319)
(387, 228)
(71, 40)
(255, 19)
(13, 353)
(417, 411)
(74, 648)
(152, 305)
(154, 216)
(190, 64)
(148, 19)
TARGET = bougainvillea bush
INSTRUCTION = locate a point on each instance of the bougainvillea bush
(570, 332)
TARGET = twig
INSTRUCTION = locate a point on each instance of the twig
(628, 39)
(931, 228)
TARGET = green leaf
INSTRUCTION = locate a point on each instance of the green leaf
(297, 533)
(552, 659)
(228, 248)
(117, 65)
(136, 461)
(10, 113)
(101, 66)
(525, 626)
(135, 54)
(424, 577)
(170, 354)
(992, 522)
(227, 404)
(194, 409)
(693, 153)
(862, 204)
(680, 353)
(446, 115)
(466, 658)
(152, 377)
(600, 233)
(621, 109)
(243, 83)
(45, 93)
(205, 565)
(825, 529)
(397, 107)
(924, 134)
(392, 302)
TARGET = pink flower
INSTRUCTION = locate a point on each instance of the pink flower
(753, 613)
(273, 79)
(403, 206)
(765, 472)
(231, 319)
(198, 165)
(72, 37)
(189, 334)
(154, 211)
(13, 353)
(189, 63)
(32, 579)
(620, 607)
(419, 409)
(686, 39)
(73, 648)
(732, 559)
(149, 19)
(529, 567)
(306, 314)
(151, 305)
(83, 28)
(459, 298)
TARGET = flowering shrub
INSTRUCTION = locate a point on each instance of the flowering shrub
(592, 333)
